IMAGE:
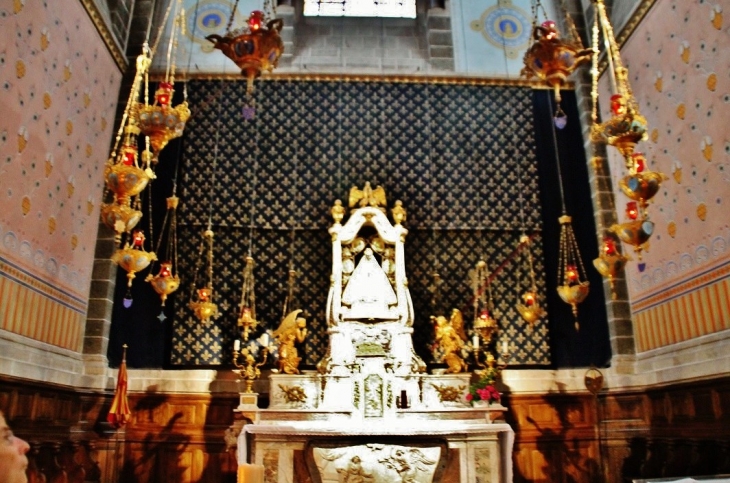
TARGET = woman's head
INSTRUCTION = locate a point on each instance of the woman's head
(13, 461)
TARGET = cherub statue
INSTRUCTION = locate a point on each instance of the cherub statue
(292, 329)
(450, 338)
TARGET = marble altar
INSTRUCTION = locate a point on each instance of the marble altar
(371, 413)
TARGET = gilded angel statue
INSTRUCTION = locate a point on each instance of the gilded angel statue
(292, 330)
(367, 196)
(450, 338)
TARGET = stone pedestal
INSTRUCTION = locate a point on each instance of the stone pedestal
(386, 452)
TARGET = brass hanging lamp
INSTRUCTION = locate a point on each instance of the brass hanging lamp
(202, 297)
(158, 121)
(255, 48)
(573, 285)
(166, 281)
(247, 315)
(552, 58)
(624, 129)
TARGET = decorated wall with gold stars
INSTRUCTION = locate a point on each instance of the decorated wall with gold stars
(59, 95)
(473, 164)
(679, 61)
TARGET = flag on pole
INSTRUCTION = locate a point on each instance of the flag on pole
(119, 413)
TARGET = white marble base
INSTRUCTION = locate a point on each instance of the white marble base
(484, 450)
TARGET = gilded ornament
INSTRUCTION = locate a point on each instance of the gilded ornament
(293, 394)
(399, 213)
(338, 211)
(367, 196)
(634, 232)
(133, 257)
(642, 186)
(254, 49)
(292, 330)
(551, 58)
(450, 337)
(449, 393)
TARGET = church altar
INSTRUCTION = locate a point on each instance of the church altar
(371, 413)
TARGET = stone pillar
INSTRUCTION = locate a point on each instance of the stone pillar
(101, 302)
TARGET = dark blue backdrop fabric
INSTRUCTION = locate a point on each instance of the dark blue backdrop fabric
(473, 165)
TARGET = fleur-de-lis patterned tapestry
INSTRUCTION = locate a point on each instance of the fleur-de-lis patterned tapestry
(462, 158)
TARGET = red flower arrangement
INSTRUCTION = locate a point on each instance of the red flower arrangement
(483, 389)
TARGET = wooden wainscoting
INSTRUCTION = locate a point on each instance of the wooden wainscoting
(670, 431)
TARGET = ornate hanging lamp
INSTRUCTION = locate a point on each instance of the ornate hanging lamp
(573, 285)
(125, 174)
(485, 326)
(159, 122)
(247, 316)
(624, 129)
(552, 58)
(254, 48)
(530, 309)
(201, 297)
(166, 281)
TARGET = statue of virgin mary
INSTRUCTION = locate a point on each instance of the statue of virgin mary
(368, 292)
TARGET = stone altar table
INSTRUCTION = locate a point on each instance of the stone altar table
(371, 413)
(434, 451)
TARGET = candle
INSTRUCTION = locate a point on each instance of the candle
(475, 341)
(504, 347)
(403, 399)
(236, 345)
(265, 339)
(571, 273)
(632, 210)
(250, 473)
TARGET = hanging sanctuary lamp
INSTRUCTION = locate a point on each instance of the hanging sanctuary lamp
(573, 285)
(624, 129)
(552, 58)
(247, 316)
(159, 122)
(201, 296)
(254, 48)
(166, 281)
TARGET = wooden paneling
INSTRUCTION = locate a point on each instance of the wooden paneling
(673, 431)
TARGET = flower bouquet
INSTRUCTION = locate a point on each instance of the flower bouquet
(483, 389)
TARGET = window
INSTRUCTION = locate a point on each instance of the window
(360, 8)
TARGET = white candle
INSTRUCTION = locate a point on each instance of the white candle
(504, 347)
(265, 339)
(475, 341)
(236, 345)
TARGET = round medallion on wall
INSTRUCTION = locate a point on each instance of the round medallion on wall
(505, 26)
(211, 18)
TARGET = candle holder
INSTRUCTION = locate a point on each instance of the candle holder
(491, 364)
(249, 370)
